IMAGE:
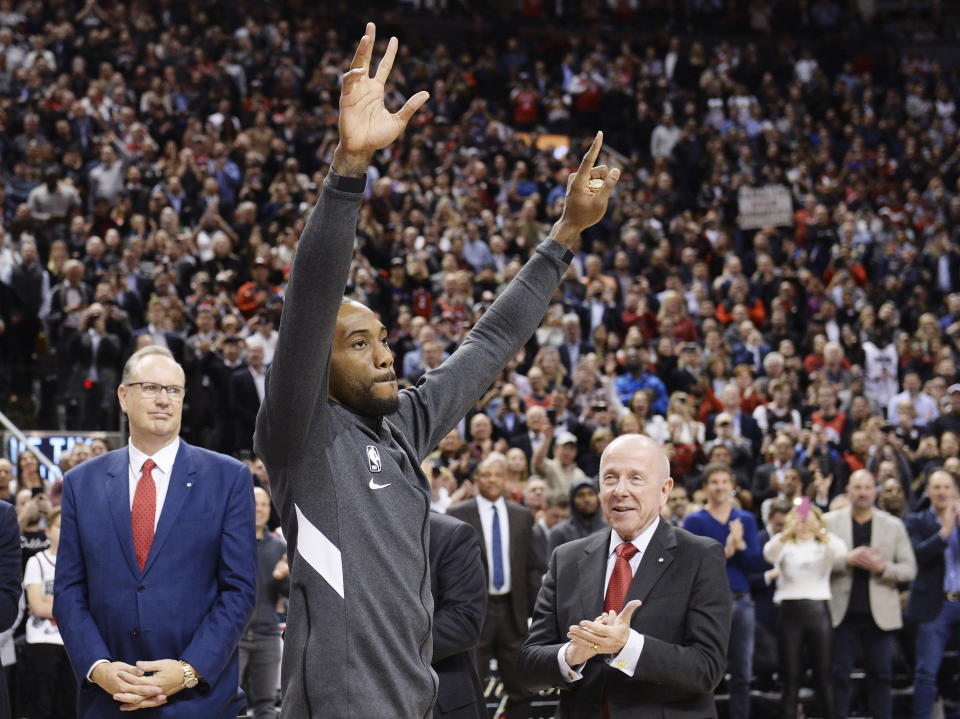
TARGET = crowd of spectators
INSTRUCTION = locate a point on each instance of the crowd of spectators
(159, 161)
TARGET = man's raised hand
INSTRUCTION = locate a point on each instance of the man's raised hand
(584, 205)
(365, 123)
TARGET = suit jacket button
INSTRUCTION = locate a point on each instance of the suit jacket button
(135, 633)
(140, 588)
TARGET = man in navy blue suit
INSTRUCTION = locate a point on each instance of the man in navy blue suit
(156, 571)
(935, 594)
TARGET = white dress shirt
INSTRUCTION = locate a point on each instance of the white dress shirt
(259, 381)
(161, 473)
(485, 507)
(626, 660)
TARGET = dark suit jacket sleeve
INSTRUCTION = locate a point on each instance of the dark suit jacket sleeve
(929, 547)
(81, 637)
(214, 642)
(696, 665)
(535, 567)
(538, 655)
(461, 600)
(9, 566)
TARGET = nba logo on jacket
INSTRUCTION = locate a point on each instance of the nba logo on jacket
(373, 458)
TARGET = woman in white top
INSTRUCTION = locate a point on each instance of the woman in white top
(55, 688)
(803, 555)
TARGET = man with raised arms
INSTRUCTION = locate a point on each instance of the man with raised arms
(343, 446)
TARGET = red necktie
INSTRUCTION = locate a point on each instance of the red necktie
(617, 589)
(620, 579)
(143, 513)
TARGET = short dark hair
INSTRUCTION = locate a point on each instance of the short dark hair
(715, 468)
(557, 500)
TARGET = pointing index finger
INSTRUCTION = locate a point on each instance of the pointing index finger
(583, 173)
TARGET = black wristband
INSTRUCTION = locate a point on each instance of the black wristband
(347, 184)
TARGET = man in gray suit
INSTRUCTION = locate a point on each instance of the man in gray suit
(865, 600)
(631, 622)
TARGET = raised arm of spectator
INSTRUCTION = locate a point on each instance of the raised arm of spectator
(536, 461)
(300, 369)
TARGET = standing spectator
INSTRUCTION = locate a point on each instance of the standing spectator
(585, 515)
(864, 594)
(53, 687)
(935, 595)
(950, 419)
(804, 553)
(665, 137)
(561, 470)
(260, 643)
(777, 415)
(513, 572)
(30, 283)
(736, 531)
(31, 508)
(158, 330)
(925, 407)
(247, 386)
(255, 294)
(459, 590)
(637, 377)
(96, 358)
(51, 204)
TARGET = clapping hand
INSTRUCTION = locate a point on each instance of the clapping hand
(735, 541)
(606, 635)
(365, 123)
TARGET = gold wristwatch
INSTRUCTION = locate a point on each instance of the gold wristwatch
(189, 676)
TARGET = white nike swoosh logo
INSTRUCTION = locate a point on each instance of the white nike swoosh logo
(374, 485)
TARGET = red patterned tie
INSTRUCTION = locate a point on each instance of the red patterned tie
(617, 591)
(144, 512)
(620, 579)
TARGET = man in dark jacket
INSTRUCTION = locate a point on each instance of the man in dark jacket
(260, 643)
(935, 595)
(585, 515)
(513, 572)
(459, 590)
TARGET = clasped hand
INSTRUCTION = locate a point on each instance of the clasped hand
(607, 634)
(867, 558)
(134, 688)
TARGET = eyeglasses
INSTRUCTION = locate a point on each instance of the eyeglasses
(149, 390)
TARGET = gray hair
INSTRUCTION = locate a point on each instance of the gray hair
(493, 458)
(132, 364)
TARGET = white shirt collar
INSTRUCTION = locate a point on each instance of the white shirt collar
(641, 541)
(163, 457)
(484, 504)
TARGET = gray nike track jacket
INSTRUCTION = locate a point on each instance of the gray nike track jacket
(353, 500)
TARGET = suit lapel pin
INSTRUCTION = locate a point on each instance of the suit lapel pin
(190, 484)
(660, 560)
